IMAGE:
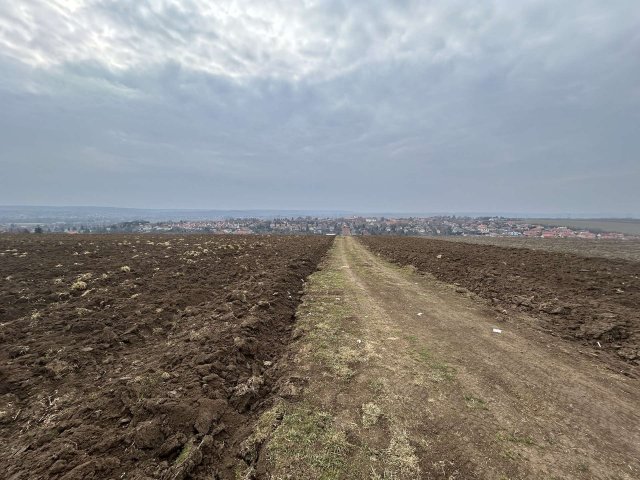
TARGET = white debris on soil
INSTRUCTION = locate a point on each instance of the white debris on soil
(497, 330)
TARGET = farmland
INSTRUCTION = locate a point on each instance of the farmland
(628, 249)
(141, 354)
(629, 226)
(409, 377)
(591, 300)
(258, 357)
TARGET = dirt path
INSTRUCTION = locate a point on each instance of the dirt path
(406, 379)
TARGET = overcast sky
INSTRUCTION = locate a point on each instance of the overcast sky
(530, 106)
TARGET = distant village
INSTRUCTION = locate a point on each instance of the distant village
(424, 226)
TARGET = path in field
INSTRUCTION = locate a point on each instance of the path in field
(473, 403)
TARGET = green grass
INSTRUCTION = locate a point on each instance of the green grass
(424, 354)
(517, 438)
(475, 402)
(376, 385)
(307, 444)
(184, 453)
(322, 319)
(441, 372)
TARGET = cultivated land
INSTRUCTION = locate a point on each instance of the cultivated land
(628, 249)
(179, 357)
(397, 375)
(630, 226)
(141, 356)
(592, 301)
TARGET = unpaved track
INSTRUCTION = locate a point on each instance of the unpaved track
(518, 404)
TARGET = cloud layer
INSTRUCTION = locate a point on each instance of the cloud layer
(399, 105)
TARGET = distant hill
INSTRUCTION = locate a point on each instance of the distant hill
(94, 215)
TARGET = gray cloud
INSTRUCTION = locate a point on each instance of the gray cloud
(413, 106)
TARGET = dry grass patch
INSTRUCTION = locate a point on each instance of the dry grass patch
(441, 372)
(400, 460)
(300, 442)
(322, 321)
(371, 413)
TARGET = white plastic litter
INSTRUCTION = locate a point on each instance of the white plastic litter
(497, 330)
(419, 314)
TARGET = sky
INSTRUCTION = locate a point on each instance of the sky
(408, 106)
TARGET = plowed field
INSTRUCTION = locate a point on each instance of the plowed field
(591, 300)
(144, 356)
(628, 249)
(405, 377)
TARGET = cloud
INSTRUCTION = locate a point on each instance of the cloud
(386, 105)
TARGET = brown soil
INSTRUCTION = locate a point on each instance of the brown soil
(401, 376)
(628, 249)
(144, 356)
(594, 301)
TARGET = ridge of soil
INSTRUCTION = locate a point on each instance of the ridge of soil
(593, 301)
(141, 356)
